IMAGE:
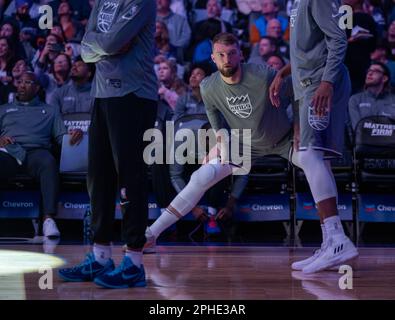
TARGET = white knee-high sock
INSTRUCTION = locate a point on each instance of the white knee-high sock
(201, 180)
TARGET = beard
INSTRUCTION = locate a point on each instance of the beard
(228, 72)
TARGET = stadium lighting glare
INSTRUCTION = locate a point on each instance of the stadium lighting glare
(19, 262)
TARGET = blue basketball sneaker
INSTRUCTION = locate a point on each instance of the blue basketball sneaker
(87, 270)
(126, 275)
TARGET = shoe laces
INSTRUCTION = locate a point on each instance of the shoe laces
(89, 260)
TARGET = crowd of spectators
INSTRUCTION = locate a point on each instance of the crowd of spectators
(184, 30)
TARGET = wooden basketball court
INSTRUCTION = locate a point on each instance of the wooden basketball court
(212, 272)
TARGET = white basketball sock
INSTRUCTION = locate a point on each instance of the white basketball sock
(324, 234)
(102, 253)
(333, 226)
(165, 220)
(135, 256)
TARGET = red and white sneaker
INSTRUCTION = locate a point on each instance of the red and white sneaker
(150, 245)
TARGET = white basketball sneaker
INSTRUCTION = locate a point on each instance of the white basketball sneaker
(299, 265)
(150, 245)
(338, 250)
(50, 229)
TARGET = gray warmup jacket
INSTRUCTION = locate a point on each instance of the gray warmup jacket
(318, 45)
(32, 124)
(113, 26)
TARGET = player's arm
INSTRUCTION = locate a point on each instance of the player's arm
(275, 87)
(87, 54)
(129, 23)
(327, 18)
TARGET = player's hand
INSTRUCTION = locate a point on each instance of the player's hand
(200, 214)
(274, 90)
(224, 214)
(213, 154)
(76, 136)
(322, 100)
(5, 140)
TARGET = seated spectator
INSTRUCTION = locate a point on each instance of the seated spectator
(170, 86)
(270, 11)
(7, 60)
(57, 76)
(265, 48)
(27, 38)
(24, 12)
(27, 127)
(375, 99)
(75, 95)
(381, 54)
(179, 30)
(7, 92)
(191, 102)
(275, 62)
(274, 31)
(9, 29)
(162, 42)
(81, 9)
(47, 53)
(214, 11)
(72, 29)
(360, 44)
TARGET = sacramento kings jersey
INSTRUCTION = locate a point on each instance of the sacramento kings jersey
(246, 105)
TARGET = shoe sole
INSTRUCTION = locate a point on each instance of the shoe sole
(73, 279)
(142, 283)
(350, 256)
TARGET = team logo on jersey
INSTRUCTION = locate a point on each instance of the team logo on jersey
(240, 106)
(317, 122)
(129, 15)
(294, 13)
(106, 15)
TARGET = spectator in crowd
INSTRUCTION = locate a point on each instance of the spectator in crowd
(275, 62)
(391, 40)
(11, 31)
(81, 9)
(24, 12)
(7, 60)
(27, 127)
(57, 76)
(270, 11)
(58, 31)
(7, 92)
(381, 54)
(27, 38)
(162, 42)
(179, 30)
(274, 30)
(374, 9)
(72, 29)
(191, 101)
(214, 11)
(265, 48)
(75, 95)
(46, 55)
(361, 43)
(170, 86)
(376, 98)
